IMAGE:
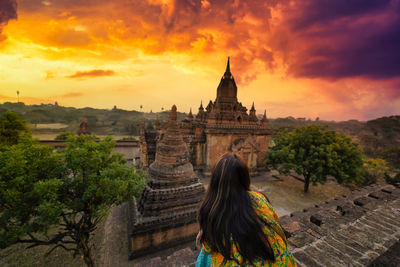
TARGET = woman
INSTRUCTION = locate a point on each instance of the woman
(239, 227)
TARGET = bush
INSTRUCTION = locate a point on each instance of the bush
(374, 171)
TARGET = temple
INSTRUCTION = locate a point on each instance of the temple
(166, 211)
(224, 125)
(83, 127)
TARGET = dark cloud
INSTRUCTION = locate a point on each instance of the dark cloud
(91, 73)
(341, 39)
(329, 39)
(8, 11)
(311, 12)
(43, 5)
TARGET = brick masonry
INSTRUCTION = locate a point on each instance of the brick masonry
(352, 230)
(165, 214)
(359, 229)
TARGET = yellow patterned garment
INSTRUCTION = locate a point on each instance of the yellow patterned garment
(275, 235)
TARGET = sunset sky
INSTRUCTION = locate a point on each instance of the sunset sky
(335, 59)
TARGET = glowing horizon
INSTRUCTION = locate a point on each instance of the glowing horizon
(337, 60)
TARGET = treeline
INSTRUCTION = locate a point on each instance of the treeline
(379, 138)
(100, 121)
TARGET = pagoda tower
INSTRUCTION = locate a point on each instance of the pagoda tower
(166, 211)
(84, 127)
(227, 89)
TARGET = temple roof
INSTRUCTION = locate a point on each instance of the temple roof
(227, 89)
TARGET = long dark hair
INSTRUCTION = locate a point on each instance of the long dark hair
(226, 212)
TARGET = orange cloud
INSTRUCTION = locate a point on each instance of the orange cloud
(73, 94)
(298, 56)
(91, 73)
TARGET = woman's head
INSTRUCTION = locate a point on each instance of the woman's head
(230, 175)
(227, 212)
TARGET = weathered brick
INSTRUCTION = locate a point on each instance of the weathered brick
(382, 219)
(382, 228)
(386, 213)
(369, 239)
(320, 257)
(301, 239)
(305, 259)
(333, 254)
(290, 227)
(350, 241)
(380, 195)
(362, 201)
(343, 248)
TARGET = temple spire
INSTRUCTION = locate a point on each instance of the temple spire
(264, 120)
(228, 68)
(227, 90)
(173, 113)
(252, 107)
(190, 115)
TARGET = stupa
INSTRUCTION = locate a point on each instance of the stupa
(83, 127)
(166, 212)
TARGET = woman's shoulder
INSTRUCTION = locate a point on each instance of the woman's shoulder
(262, 204)
(258, 196)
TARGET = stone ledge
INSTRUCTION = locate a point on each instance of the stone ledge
(353, 229)
(341, 232)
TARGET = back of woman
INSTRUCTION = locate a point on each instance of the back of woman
(239, 227)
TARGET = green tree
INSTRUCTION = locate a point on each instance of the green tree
(64, 136)
(374, 171)
(12, 128)
(133, 127)
(315, 152)
(58, 199)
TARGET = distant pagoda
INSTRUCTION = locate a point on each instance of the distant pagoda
(166, 211)
(83, 127)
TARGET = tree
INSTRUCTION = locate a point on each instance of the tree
(314, 152)
(64, 136)
(133, 127)
(58, 198)
(374, 171)
(12, 128)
